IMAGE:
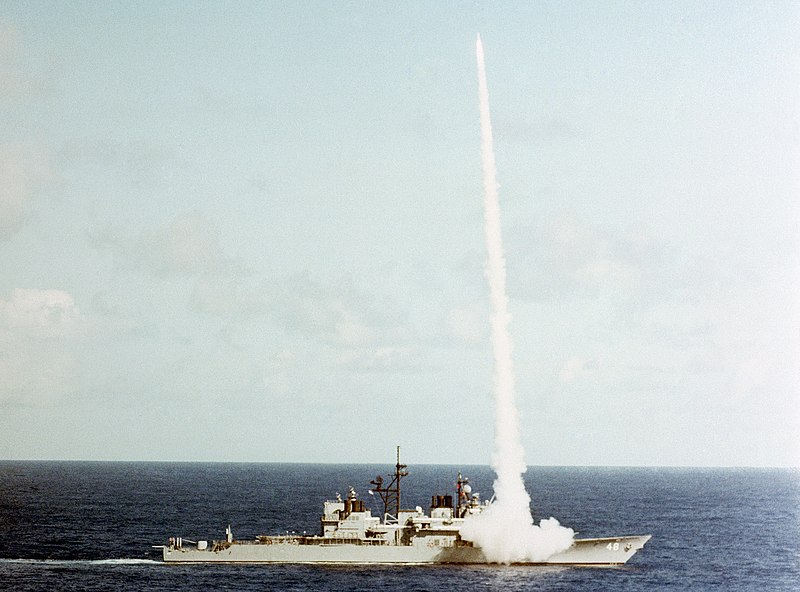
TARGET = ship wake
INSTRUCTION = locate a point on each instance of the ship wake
(76, 562)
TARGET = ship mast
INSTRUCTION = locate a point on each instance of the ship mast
(390, 495)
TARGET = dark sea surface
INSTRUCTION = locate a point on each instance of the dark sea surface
(90, 525)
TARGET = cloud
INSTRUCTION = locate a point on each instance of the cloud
(299, 304)
(136, 161)
(35, 360)
(45, 313)
(400, 359)
(22, 171)
(331, 326)
(23, 168)
(566, 258)
(339, 312)
(15, 82)
(186, 247)
(228, 298)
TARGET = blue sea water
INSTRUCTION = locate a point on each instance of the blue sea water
(90, 525)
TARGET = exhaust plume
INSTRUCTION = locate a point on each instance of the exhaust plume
(505, 530)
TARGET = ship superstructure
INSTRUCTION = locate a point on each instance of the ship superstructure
(350, 534)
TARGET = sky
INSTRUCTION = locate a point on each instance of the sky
(254, 231)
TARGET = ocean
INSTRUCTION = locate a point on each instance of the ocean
(91, 525)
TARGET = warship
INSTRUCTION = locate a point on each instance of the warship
(350, 534)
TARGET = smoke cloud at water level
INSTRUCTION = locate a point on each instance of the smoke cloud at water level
(505, 531)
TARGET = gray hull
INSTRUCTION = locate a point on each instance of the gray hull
(598, 552)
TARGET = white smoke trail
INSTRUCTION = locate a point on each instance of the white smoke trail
(505, 531)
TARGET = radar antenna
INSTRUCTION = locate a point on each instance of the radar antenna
(390, 495)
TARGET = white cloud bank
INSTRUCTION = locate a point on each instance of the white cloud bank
(22, 171)
(186, 247)
(46, 313)
(35, 361)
